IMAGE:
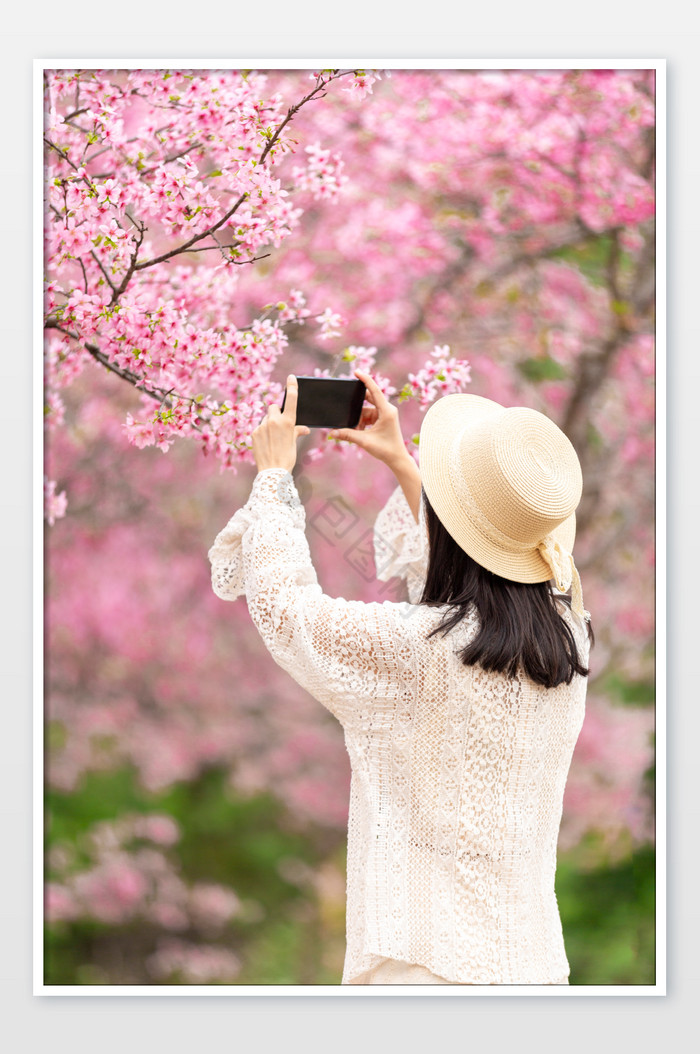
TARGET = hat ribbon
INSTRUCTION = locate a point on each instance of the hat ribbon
(564, 573)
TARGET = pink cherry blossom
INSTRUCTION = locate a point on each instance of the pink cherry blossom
(445, 230)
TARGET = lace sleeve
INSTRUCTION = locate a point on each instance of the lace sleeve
(401, 544)
(345, 653)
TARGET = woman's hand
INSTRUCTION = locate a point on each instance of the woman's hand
(378, 431)
(275, 439)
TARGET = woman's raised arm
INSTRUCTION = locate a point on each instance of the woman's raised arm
(379, 433)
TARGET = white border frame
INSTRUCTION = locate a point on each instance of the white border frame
(234, 991)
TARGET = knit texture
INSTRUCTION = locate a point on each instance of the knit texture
(458, 775)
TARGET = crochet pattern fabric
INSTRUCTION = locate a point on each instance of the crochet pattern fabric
(458, 775)
(392, 971)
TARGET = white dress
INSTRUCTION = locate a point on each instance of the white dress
(458, 775)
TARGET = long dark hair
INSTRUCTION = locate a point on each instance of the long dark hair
(520, 627)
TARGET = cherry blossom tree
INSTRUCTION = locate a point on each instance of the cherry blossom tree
(208, 232)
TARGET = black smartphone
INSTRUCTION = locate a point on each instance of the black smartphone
(329, 402)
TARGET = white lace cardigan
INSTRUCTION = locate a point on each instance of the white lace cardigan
(457, 774)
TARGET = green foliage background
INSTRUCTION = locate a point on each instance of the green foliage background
(288, 934)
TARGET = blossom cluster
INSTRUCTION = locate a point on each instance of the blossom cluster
(54, 504)
(159, 187)
(442, 374)
(323, 174)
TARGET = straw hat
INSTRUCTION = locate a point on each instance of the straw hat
(505, 483)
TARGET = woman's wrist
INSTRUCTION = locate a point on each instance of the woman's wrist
(399, 461)
(408, 476)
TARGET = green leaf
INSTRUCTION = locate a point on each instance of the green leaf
(594, 438)
(629, 692)
(484, 288)
(56, 735)
(542, 369)
(592, 257)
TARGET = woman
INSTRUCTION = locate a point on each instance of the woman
(461, 707)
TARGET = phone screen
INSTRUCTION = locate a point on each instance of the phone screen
(329, 402)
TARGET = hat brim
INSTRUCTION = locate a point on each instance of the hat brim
(444, 421)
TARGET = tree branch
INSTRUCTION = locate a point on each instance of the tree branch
(117, 292)
(319, 88)
(82, 268)
(234, 245)
(97, 260)
(185, 247)
(61, 153)
(160, 395)
(75, 113)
